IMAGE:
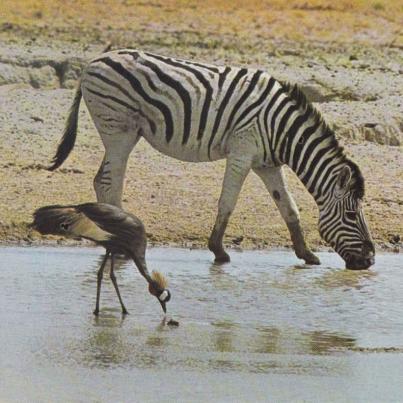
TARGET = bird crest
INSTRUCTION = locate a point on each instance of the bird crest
(160, 279)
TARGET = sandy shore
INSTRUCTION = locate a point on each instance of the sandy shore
(355, 79)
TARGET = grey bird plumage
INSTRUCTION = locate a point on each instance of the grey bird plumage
(118, 231)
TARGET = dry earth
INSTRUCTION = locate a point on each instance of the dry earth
(348, 58)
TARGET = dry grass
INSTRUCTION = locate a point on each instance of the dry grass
(319, 20)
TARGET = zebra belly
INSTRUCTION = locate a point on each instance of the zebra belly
(187, 152)
(193, 150)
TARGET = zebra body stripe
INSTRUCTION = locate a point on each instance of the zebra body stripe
(199, 112)
(164, 89)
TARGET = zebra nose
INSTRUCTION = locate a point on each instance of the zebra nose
(368, 249)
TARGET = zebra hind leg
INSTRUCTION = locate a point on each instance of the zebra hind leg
(108, 182)
(235, 173)
(274, 180)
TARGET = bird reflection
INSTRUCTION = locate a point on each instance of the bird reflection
(108, 342)
(105, 345)
(109, 319)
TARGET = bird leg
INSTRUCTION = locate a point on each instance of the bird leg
(99, 281)
(115, 284)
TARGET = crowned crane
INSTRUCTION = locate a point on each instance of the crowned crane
(117, 231)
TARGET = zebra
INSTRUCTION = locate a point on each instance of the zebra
(200, 112)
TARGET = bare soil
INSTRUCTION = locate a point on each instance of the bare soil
(348, 59)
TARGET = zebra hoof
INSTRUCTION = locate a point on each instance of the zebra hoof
(224, 258)
(310, 258)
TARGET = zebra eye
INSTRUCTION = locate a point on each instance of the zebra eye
(64, 226)
(351, 215)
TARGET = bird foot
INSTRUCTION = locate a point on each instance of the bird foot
(96, 312)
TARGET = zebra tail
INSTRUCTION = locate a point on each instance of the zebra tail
(70, 133)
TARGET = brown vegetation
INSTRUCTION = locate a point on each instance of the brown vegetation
(374, 21)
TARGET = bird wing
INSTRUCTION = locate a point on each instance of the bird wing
(113, 220)
(67, 221)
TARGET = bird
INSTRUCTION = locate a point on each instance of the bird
(118, 231)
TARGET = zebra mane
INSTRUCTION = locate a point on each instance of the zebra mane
(358, 185)
(295, 92)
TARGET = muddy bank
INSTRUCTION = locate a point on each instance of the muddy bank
(353, 90)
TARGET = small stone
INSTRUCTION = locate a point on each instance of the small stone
(6, 26)
(316, 92)
(173, 322)
(37, 119)
(44, 77)
(395, 239)
(238, 240)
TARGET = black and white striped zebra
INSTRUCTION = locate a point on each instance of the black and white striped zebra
(200, 112)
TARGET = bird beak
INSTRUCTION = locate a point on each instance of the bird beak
(163, 305)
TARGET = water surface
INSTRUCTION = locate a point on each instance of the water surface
(263, 327)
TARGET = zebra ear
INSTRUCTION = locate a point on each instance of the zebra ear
(343, 179)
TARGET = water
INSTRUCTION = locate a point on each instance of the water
(262, 327)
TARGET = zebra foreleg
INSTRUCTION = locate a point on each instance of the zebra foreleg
(274, 180)
(235, 173)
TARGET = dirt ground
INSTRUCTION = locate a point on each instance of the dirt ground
(348, 58)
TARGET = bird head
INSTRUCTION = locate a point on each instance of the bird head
(158, 288)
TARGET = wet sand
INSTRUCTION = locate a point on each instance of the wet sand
(263, 327)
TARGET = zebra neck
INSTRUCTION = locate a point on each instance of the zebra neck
(315, 156)
(300, 138)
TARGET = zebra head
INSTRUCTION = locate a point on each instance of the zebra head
(341, 219)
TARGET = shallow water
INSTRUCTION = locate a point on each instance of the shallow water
(263, 327)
